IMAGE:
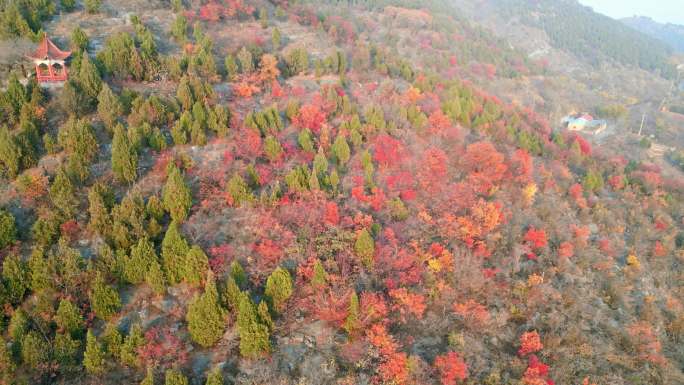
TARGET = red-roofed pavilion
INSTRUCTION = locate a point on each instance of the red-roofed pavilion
(49, 61)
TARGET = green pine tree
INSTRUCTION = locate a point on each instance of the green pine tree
(314, 184)
(179, 28)
(214, 377)
(263, 17)
(15, 275)
(138, 264)
(174, 250)
(239, 191)
(334, 180)
(14, 97)
(238, 273)
(69, 318)
(231, 67)
(219, 119)
(89, 78)
(128, 353)
(230, 294)
(320, 163)
(176, 195)
(94, 355)
(254, 336)
(177, 5)
(104, 300)
(124, 157)
(320, 277)
(184, 93)
(18, 326)
(77, 137)
(181, 129)
(198, 135)
(8, 229)
(7, 365)
(149, 377)
(62, 194)
(351, 323)
(10, 154)
(365, 248)
(155, 208)
(272, 148)
(155, 278)
(100, 220)
(112, 340)
(305, 140)
(39, 271)
(34, 351)
(297, 61)
(175, 377)
(65, 351)
(340, 149)
(92, 6)
(195, 265)
(276, 38)
(279, 288)
(109, 107)
(79, 39)
(265, 315)
(205, 316)
(246, 60)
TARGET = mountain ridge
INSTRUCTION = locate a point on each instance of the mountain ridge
(669, 33)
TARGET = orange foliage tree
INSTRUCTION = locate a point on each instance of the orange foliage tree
(451, 368)
(394, 364)
(485, 166)
(407, 303)
(530, 343)
(433, 169)
(268, 68)
(310, 116)
(646, 342)
(535, 238)
(474, 313)
(439, 122)
(566, 250)
(536, 373)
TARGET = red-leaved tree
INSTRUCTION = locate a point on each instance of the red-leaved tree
(451, 368)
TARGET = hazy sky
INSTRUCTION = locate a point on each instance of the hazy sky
(664, 11)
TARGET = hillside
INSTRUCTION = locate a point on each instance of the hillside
(336, 192)
(671, 34)
(589, 35)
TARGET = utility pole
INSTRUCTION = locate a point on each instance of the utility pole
(643, 117)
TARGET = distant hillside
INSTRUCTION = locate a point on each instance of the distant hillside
(671, 34)
(590, 35)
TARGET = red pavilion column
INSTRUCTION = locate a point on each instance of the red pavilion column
(50, 71)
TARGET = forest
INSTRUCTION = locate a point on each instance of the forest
(590, 35)
(320, 192)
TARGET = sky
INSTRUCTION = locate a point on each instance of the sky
(663, 11)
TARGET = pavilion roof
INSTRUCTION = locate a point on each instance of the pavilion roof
(48, 50)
